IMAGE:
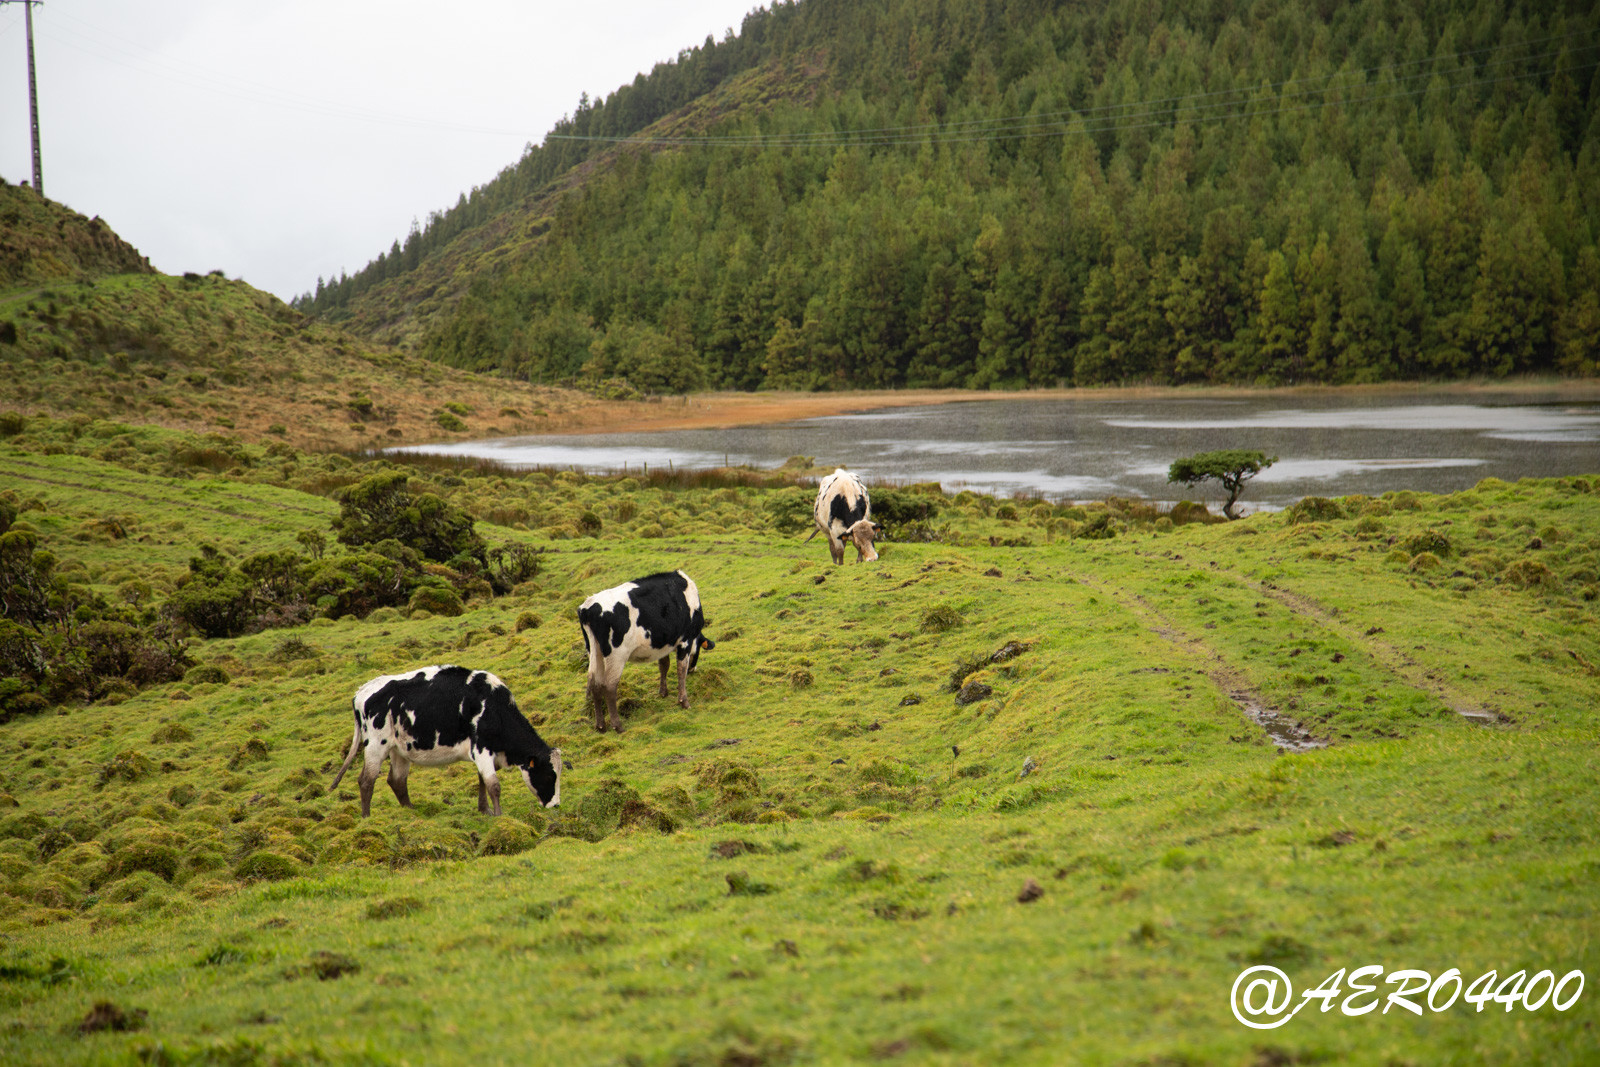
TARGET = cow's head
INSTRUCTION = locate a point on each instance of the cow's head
(697, 644)
(543, 775)
(862, 534)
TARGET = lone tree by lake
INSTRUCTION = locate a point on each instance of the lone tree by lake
(1231, 467)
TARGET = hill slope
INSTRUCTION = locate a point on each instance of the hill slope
(1024, 194)
(88, 329)
(799, 868)
(47, 242)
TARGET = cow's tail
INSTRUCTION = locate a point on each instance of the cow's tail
(355, 746)
(814, 531)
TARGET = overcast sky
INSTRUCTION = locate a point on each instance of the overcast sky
(285, 140)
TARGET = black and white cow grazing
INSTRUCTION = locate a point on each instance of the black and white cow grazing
(641, 620)
(844, 512)
(439, 715)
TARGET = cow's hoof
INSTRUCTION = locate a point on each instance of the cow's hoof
(684, 704)
(617, 726)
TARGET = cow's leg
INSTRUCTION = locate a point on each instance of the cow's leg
(494, 794)
(488, 782)
(683, 680)
(597, 702)
(399, 767)
(836, 547)
(663, 662)
(370, 766)
(611, 707)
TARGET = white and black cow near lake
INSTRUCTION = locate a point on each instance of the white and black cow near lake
(642, 620)
(439, 715)
(844, 512)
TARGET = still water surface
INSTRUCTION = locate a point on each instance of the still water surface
(1088, 449)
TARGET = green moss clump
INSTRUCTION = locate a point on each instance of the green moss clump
(1429, 541)
(507, 837)
(395, 908)
(172, 732)
(128, 766)
(1529, 574)
(143, 855)
(366, 847)
(422, 842)
(1313, 509)
(206, 674)
(266, 867)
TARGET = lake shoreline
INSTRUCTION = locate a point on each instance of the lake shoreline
(726, 410)
(1094, 444)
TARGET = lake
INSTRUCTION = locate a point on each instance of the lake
(1087, 449)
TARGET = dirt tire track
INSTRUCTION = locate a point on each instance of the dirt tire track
(1285, 732)
(11, 461)
(1391, 658)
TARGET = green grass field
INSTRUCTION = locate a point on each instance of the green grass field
(797, 869)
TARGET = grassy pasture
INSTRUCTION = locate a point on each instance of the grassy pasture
(797, 869)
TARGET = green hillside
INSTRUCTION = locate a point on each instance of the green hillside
(835, 855)
(88, 330)
(46, 243)
(1024, 194)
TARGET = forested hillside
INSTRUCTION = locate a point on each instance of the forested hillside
(999, 195)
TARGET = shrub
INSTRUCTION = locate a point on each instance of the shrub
(355, 583)
(900, 507)
(449, 422)
(1313, 509)
(939, 618)
(1187, 511)
(528, 621)
(789, 510)
(382, 508)
(512, 564)
(436, 600)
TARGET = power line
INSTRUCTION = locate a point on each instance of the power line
(111, 49)
(1050, 124)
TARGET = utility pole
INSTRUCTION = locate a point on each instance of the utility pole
(33, 94)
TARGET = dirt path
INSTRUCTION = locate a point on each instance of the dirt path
(58, 482)
(1390, 657)
(1285, 732)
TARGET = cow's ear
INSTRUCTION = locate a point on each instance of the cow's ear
(706, 642)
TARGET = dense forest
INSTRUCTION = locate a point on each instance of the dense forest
(1010, 193)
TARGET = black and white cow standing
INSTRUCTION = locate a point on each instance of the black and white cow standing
(641, 620)
(439, 715)
(844, 512)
